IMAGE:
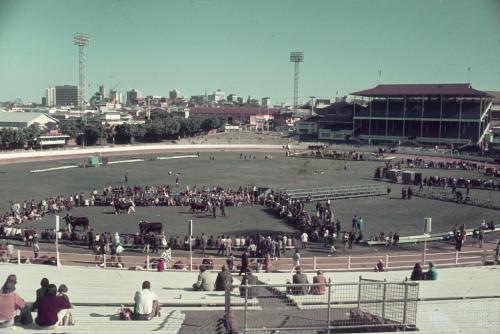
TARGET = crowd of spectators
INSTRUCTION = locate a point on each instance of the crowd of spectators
(455, 164)
(154, 195)
(453, 183)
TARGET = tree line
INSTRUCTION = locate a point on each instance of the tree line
(159, 127)
(11, 139)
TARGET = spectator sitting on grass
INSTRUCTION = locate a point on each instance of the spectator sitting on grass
(204, 282)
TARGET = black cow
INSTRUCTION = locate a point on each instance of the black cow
(122, 207)
(201, 207)
(73, 222)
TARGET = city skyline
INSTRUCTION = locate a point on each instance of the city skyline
(243, 48)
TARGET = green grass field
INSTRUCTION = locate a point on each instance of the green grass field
(228, 170)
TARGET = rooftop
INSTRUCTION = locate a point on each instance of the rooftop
(233, 110)
(16, 117)
(456, 89)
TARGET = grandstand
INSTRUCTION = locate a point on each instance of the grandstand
(424, 113)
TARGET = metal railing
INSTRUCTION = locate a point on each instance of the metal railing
(331, 263)
(330, 307)
(338, 192)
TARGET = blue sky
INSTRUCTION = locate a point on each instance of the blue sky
(243, 47)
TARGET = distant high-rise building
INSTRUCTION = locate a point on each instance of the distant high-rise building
(101, 90)
(232, 98)
(217, 96)
(50, 96)
(266, 102)
(67, 95)
(174, 94)
(133, 95)
(115, 96)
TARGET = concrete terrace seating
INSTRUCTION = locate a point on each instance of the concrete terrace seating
(96, 286)
(333, 193)
(457, 282)
(104, 319)
(98, 293)
(461, 300)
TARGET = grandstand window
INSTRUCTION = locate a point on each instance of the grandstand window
(395, 128)
(449, 130)
(451, 109)
(362, 127)
(471, 109)
(412, 129)
(469, 130)
(396, 108)
(413, 109)
(378, 127)
(432, 108)
(430, 129)
(379, 108)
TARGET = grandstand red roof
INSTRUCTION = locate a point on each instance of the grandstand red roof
(233, 110)
(461, 89)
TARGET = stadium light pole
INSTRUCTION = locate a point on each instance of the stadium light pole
(82, 40)
(296, 57)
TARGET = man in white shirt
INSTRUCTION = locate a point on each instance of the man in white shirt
(304, 238)
(146, 303)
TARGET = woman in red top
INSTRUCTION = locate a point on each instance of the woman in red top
(51, 309)
(10, 303)
(319, 279)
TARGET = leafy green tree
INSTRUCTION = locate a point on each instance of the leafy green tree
(91, 135)
(72, 128)
(190, 126)
(123, 134)
(209, 124)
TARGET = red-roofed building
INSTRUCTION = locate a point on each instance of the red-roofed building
(424, 113)
(233, 114)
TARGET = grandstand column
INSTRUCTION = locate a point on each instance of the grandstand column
(460, 118)
(386, 115)
(422, 119)
(354, 119)
(479, 128)
(440, 114)
(404, 115)
(370, 120)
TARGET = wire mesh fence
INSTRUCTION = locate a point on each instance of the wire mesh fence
(391, 306)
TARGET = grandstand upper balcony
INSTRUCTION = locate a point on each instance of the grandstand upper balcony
(402, 90)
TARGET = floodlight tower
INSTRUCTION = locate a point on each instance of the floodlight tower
(82, 40)
(296, 57)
